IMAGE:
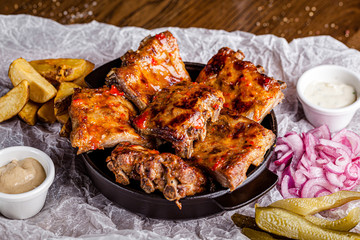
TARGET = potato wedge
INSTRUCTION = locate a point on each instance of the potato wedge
(66, 129)
(13, 101)
(28, 113)
(46, 112)
(40, 89)
(60, 69)
(88, 69)
(62, 118)
(63, 97)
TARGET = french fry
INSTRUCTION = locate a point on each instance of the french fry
(61, 69)
(13, 101)
(40, 89)
(28, 113)
(46, 112)
(63, 97)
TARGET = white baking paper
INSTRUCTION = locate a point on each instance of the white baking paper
(74, 207)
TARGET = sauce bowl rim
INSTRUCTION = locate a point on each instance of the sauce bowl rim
(50, 173)
(330, 111)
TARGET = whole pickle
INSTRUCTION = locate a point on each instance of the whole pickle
(310, 206)
(246, 222)
(243, 221)
(343, 224)
(285, 223)
(256, 235)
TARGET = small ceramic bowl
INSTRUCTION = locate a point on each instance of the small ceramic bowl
(26, 205)
(335, 118)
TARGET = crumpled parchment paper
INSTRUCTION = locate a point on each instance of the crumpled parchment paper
(74, 207)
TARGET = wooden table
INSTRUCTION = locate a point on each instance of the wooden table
(289, 19)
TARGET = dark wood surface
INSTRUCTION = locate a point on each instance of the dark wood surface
(289, 19)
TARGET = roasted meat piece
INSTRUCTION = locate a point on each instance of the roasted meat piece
(246, 88)
(165, 172)
(179, 115)
(232, 144)
(100, 119)
(155, 65)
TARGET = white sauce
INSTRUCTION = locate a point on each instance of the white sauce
(330, 95)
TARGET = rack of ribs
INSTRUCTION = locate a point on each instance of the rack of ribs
(165, 172)
(246, 88)
(179, 115)
(231, 145)
(101, 118)
(155, 65)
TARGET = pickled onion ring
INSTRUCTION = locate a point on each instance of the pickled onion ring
(315, 163)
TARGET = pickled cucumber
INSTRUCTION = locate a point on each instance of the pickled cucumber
(310, 206)
(256, 235)
(285, 223)
(344, 224)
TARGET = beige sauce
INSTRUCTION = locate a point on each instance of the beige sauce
(21, 176)
(330, 95)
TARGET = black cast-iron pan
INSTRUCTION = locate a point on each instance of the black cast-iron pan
(131, 197)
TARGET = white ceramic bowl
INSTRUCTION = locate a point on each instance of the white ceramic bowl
(26, 205)
(337, 118)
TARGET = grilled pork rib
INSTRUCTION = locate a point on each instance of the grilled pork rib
(155, 65)
(100, 119)
(246, 88)
(179, 115)
(165, 172)
(232, 144)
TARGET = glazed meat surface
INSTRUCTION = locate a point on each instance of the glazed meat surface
(179, 115)
(232, 144)
(246, 88)
(155, 65)
(165, 172)
(100, 119)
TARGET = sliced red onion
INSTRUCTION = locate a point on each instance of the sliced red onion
(347, 138)
(304, 161)
(281, 148)
(322, 192)
(296, 144)
(352, 171)
(312, 186)
(331, 167)
(350, 184)
(322, 132)
(316, 172)
(310, 142)
(336, 179)
(326, 151)
(285, 187)
(300, 177)
(321, 161)
(313, 164)
(285, 158)
(335, 145)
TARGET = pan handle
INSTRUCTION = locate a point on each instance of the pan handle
(249, 192)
